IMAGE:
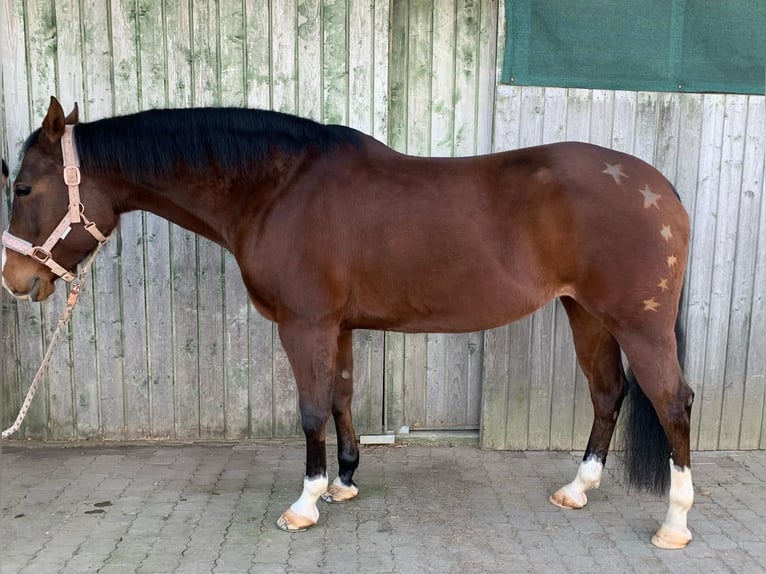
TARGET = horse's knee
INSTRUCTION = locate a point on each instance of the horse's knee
(313, 421)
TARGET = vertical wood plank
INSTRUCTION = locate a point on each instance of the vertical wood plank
(518, 408)
(383, 63)
(724, 203)
(702, 260)
(727, 218)
(210, 333)
(544, 320)
(394, 416)
(487, 49)
(444, 92)
(183, 252)
(753, 192)
(183, 261)
(74, 357)
(602, 117)
(235, 353)
(668, 126)
(286, 413)
(646, 126)
(231, 52)
(367, 404)
(156, 244)
(579, 122)
(309, 55)
(260, 331)
(689, 130)
(397, 139)
(284, 72)
(257, 39)
(261, 345)
(495, 388)
(107, 416)
(361, 66)
(284, 92)
(207, 91)
(128, 81)
(42, 51)
(331, 45)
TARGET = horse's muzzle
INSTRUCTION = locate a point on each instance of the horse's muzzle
(34, 285)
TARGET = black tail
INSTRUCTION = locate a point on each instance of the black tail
(645, 446)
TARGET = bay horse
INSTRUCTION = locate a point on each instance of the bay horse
(334, 231)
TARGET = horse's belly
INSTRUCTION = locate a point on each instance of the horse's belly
(448, 306)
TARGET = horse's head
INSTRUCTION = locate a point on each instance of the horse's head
(48, 233)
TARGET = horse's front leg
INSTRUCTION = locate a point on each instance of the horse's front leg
(312, 350)
(343, 487)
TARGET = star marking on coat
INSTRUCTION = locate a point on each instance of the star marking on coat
(663, 284)
(651, 304)
(666, 233)
(672, 260)
(615, 170)
(650, 198)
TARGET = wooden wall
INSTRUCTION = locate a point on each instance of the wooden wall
(165, 344)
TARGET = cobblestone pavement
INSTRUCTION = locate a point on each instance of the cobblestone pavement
(212, 508)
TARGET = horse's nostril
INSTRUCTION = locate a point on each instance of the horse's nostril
(33, 286)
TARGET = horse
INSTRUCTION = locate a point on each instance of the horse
(334, 231)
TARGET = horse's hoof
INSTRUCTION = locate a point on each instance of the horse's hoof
(340, 493)
(293, 522)
(671, 539)
(567, 500)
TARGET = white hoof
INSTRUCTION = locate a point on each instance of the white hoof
(339, 492)
(291, 521)
(564, 498)
(671, 539)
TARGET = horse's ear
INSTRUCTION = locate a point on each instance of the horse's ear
(74, 116)
(53, 124)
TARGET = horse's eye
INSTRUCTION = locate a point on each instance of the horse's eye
(21, 190)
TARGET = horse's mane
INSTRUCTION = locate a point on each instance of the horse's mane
(155, 143)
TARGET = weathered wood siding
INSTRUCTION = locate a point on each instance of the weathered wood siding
(712, 148)
(443, 59)
(165, 343)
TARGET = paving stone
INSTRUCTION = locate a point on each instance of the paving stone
(212, 508)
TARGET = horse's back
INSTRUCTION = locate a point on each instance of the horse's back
(456, 244)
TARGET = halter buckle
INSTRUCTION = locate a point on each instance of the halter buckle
(72, 175)
(40, 255)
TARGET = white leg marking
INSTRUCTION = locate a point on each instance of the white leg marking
(673, 533)
(306, 505)
(588, 476)
(339, 492)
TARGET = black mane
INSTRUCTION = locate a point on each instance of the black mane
(154, 143)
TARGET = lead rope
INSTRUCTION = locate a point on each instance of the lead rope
(74, 295)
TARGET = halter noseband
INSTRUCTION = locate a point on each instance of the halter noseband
(75, 214)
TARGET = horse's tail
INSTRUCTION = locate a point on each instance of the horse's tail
(645, 445)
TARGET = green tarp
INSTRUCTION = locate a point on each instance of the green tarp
(663, 45)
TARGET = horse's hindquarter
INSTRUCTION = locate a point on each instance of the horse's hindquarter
(416, 244)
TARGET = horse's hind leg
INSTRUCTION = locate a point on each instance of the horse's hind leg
(599, 356)
(343, 487)
(654, 361)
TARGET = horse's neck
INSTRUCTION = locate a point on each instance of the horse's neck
(210, 206)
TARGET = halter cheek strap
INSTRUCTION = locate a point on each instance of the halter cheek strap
(75, 214)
